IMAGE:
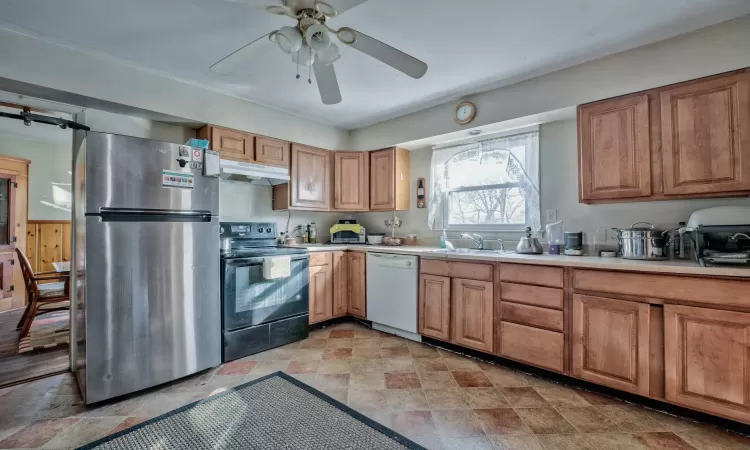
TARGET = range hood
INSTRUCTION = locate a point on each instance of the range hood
(253, 173)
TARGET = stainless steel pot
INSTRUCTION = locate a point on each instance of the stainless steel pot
(647, 243)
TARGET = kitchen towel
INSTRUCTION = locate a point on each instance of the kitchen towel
(277, 267)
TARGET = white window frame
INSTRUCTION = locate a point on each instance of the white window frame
(490, 227)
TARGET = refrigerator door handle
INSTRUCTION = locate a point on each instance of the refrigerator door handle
(152, 215)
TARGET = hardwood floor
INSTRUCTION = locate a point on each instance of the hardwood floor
(15, 368)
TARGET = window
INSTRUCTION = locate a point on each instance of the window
(488, 185)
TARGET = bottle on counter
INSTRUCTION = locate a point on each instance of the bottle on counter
(313, 232)
(443, 240)
(306, 234)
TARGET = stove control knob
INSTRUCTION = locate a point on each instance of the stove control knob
(260, 229)
(268, 230)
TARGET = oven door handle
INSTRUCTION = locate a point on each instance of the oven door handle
(259, 260)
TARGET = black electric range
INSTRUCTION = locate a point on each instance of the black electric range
(259, 313)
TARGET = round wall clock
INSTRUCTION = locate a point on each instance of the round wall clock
(465, 112)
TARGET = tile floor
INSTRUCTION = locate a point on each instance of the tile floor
(437, 398)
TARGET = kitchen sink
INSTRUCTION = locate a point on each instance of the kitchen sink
(470, 251)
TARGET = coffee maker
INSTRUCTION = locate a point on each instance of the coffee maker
(573, 243)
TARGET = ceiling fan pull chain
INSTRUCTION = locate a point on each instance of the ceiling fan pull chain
(309, 68)
(298, 64)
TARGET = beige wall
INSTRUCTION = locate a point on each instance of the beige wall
(76, 78)
(49, 172)
(559, 190)
(712, 50)
(244, 202)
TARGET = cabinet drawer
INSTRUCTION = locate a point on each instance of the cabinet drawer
(669, 287)
(535, 346)
(455, 269)
(532, 274)
(550, 319)
(321, 259)
(532, 295)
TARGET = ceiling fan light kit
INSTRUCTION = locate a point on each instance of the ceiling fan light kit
(317, 37)
(329, 56)
(309, 43)
(289, 39)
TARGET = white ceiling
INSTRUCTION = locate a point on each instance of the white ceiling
(469, 45)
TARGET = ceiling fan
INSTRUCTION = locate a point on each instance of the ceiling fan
(310, 45)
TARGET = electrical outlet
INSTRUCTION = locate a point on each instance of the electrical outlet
(551, 215)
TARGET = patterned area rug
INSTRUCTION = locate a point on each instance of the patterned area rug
(275, 411)
(48, 330)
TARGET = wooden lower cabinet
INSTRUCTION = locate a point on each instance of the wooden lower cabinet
(542, 348)
(321, 293)
(472, 313)
(707, 360)
(610, 342)
(357, 305)
(435, 306)
(340, 284)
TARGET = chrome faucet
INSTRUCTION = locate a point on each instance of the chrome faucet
(502, 244)
(476, 238)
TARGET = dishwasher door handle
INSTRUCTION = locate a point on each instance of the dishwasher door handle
(392, 261)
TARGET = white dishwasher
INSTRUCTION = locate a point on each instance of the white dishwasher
(392, 282)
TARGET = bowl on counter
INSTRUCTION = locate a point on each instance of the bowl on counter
(375, 238)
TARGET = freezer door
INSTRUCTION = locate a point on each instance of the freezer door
(153, 312)
(128, 172)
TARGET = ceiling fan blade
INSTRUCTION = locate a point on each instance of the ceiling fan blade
(385, 53)
(231, 62)
(342, 6)
(328, 85)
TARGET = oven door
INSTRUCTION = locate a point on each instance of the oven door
(248, 299)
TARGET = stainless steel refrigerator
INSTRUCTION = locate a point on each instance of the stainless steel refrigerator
(145, 302)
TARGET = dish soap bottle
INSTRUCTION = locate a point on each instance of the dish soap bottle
(443, 240)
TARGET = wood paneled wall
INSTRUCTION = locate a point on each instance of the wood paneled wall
(47, 241)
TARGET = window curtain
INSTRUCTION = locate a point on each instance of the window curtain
(520, 152)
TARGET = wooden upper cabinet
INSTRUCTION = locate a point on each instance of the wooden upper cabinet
(340, 284)
(321, 293)
(357, 305)
(707, 355)
(611, 342)
(615, 149)
(231, 144)
(435, 306)
(389, 180)
(351, 181)
(310, 178)
(272, 151)
(706, 136)
(472, 304)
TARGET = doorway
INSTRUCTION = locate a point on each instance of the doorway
(35, 215)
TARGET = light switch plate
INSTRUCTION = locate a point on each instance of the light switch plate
(551, 215)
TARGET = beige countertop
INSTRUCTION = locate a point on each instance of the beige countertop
(690, 267)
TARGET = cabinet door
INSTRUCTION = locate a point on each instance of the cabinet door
(310, 178)
(321, 293)
(707, 360)
(473, 313)
(382, 180)
(706, 136)
(232, 144)
(340, 283)
(435, 306)
(357, 287)
(271, 151)
(6, 275)
(611, 342)
(614, 149)
(351, 185)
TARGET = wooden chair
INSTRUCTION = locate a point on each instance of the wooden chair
(42, 298)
